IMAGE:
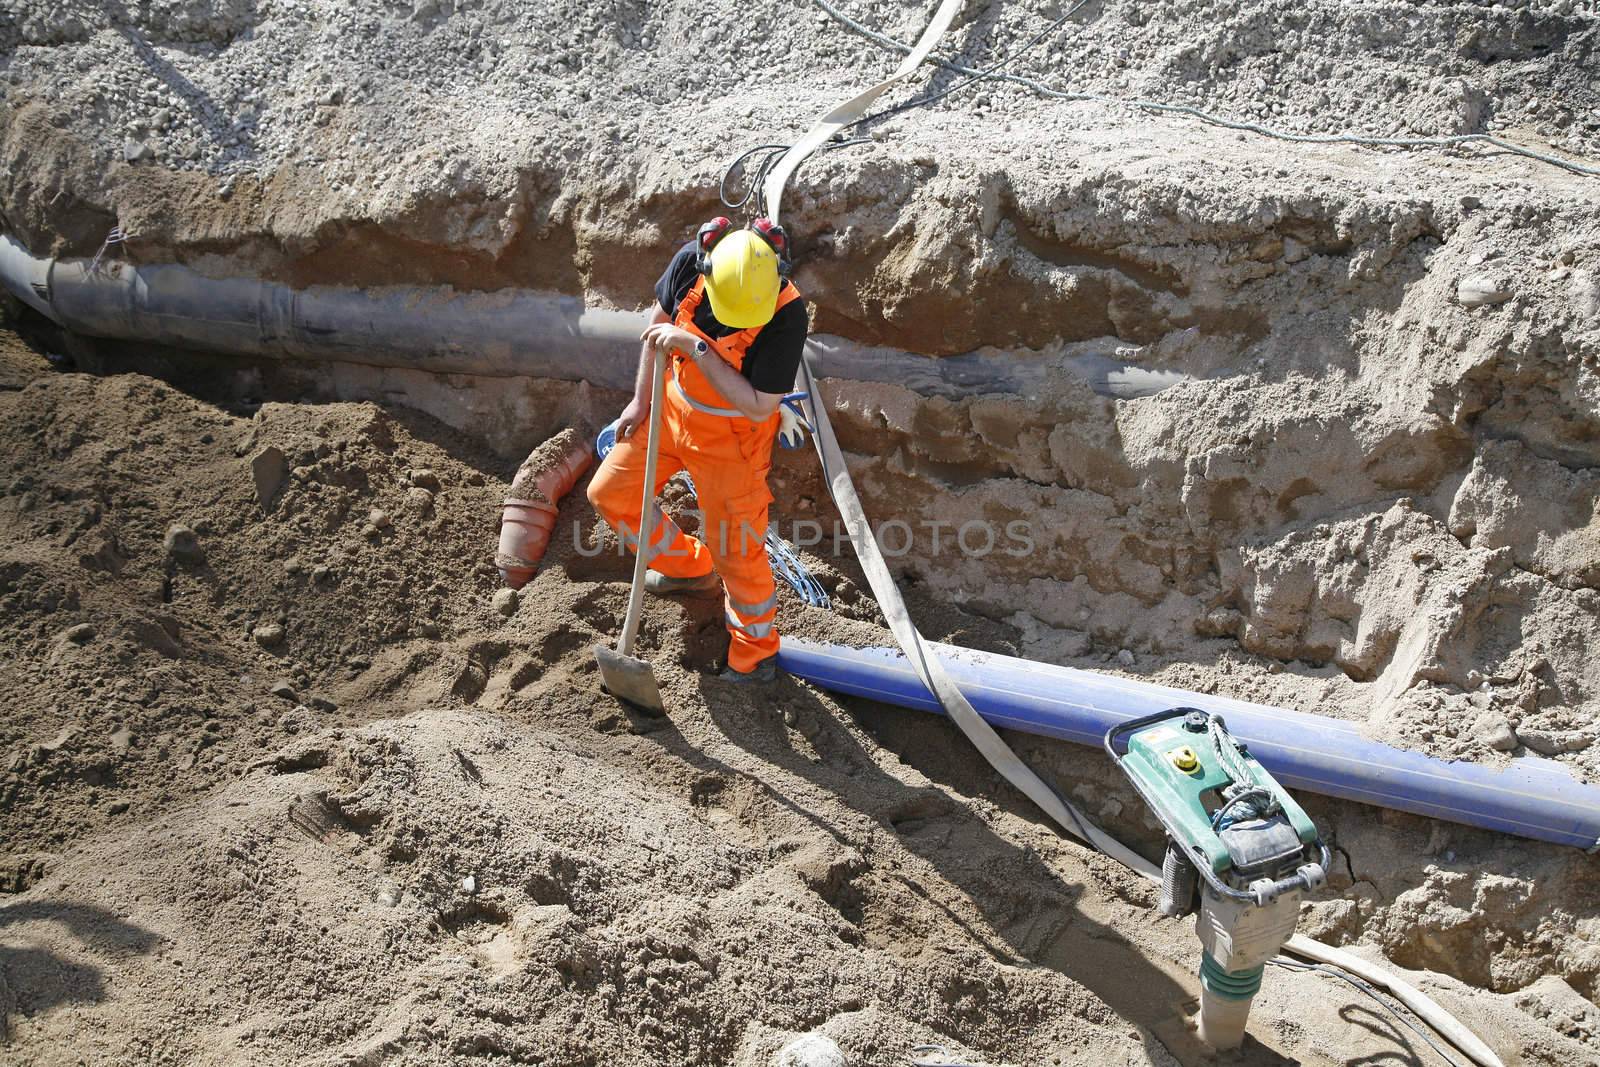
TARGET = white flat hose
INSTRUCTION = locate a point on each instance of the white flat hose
(927, 665)
(853, 108)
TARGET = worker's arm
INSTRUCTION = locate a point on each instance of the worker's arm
(638, 409)
(735, 389)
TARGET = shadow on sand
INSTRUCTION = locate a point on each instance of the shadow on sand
(34, 979)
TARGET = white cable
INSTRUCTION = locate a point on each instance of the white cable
(927, 665)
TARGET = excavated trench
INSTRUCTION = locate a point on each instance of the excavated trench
(1271, 457)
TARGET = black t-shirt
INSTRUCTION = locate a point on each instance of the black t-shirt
(773, 357)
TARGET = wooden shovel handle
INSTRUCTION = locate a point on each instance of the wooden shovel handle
(630, 624)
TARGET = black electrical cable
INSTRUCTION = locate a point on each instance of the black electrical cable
(775, 152)
(758, 177)
(1377, 998)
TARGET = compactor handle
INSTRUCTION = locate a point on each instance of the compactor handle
(1116, 732)
(1308, 877)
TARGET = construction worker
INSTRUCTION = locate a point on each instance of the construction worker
(732, 327)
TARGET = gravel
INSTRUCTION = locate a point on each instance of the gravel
(448, 92)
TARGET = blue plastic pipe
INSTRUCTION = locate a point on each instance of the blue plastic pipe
(1533, 797)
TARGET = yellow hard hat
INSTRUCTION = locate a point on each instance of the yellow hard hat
(743, 281)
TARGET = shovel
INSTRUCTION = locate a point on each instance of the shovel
(624, 676)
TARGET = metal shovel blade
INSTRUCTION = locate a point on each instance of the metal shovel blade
(629, 680)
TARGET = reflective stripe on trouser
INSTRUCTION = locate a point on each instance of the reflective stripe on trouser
(750, 606)
(705, 409)
(664, 536)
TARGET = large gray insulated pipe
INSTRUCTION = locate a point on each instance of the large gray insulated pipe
(496, 334)
(25, 276)
(506, 333)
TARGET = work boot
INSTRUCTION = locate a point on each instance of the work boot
(707, 584)
(764, 672)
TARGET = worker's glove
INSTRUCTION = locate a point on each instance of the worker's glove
(792, 424)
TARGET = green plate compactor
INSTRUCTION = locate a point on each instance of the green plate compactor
(1240, 852)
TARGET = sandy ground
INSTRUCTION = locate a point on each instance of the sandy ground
(263, 717)
(294, 790)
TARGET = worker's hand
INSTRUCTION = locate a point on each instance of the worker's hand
(633, 416)
(792, 424)
(664, 337)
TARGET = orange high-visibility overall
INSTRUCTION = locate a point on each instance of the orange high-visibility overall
(728, 456)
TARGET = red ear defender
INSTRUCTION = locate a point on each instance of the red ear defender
(776, 239)
(707, 238)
